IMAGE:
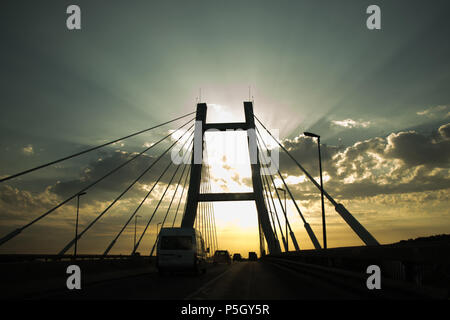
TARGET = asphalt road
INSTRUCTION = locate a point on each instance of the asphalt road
(241, 280)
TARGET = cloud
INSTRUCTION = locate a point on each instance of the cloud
(24, 204)
(444, 131)
(147, 144)
(402, 162)
(28, 150)
(20, 207)
(349, 123)
(304, 150)
(111, 186)
(403, 171)
(435, 112)
(18, 204)
(416, 149)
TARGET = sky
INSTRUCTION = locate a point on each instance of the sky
(379, 99)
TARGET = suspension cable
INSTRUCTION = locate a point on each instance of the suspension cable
(362, 233)
(269, 206)
(294, 241)
(137, 208)
(203, 212)
(199, 214)
(276, 211)
(90, 149)
(19, 230)
(208, 219)
(69, 245)
(216, 242)
(299, 165)
(265, 180)
(170, 205)
(279, 198)
(181, 197)
(308, 228)
(206, 204)
(281, 176)
(207, 211)
(210, 207)
(156, 208)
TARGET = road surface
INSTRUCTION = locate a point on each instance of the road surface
(240, 280)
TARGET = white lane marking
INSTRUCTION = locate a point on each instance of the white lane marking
(198, 291)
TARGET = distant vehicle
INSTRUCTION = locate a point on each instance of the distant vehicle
(252, 256)
(221, 256)
(180, 249)
(237, 257)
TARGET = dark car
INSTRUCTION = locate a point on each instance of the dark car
(237, 257)
(221, 256)
(252, 256)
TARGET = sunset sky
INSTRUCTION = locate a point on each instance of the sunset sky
(380, 100)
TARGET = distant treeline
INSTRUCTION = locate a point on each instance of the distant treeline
(438, 237)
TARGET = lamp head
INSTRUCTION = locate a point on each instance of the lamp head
(310, 134)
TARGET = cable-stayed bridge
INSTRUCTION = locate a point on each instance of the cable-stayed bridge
(189, 196)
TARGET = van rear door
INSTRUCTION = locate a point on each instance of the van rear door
(176, 251)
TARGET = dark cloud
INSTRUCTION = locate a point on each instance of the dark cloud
(402, 162)
(18, 204)
(305, 150)
(119, 180)
(416, 149)
(444, 131)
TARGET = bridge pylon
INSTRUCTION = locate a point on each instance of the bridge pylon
(194, 196)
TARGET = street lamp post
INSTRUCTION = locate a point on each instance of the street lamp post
(76, 224)
(135, 223)
(285, 216)
(157, 235)
(312, 135)
(157, 228)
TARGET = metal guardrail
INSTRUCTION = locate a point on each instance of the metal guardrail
(422, 264)
(6, 258)
(355, 282)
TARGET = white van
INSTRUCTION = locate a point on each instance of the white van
(180, 249)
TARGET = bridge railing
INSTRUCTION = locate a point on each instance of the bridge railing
(422, 265)
(6, 258)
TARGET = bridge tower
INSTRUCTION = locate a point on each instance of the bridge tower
(194, 196)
